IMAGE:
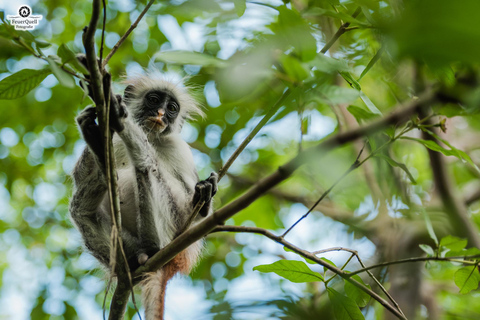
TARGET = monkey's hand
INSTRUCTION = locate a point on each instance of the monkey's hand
(91, 131)
(118, 113)
(204, 192)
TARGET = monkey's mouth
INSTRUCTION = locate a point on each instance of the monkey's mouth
(157, 123)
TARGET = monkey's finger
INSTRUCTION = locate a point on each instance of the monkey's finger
(208, 192)
(213, 179)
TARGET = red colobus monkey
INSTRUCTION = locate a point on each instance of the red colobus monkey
(158, 183)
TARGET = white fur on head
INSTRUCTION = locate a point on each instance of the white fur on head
(155, 81)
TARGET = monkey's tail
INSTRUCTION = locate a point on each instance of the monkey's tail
(155, 284)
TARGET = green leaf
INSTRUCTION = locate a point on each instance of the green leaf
(19, 84)
(351, 81)
(467, 279)
(329, 262)
(453, 243)
(360, 297)
(432, 145)
(64, 78)
(465, 252)
(369, 103)
(339, 15)
(429, 226)
(371, 63)
(240, 7)
(360, 114)
(394, 163)
(457, 153)
(294, 68)
(329, 65)
(69, 57)
(187, 57)
(335, 94)
(295, 271)
(344, 307)
(291, 30)
(417, 31)
(42, 44)
(427, 249)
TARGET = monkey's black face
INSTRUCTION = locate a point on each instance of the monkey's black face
(159, 111)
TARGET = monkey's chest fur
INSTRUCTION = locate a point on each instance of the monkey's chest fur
(172, 181)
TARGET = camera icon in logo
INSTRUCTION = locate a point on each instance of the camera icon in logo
(24, 11)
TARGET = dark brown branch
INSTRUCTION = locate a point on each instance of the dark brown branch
(310, 256)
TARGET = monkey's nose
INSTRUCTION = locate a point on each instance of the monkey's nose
(161, 113)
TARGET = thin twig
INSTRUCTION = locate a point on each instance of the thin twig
(460, 259)
(370, 274)
(354, 166)
(339, 32)
(308, 255)
(122, 39)
(103, 32)
(270, 113)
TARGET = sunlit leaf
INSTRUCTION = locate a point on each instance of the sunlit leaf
(453, 243)
(427, 249)
(295, 271)
(64, 78)
(371, 63)
(467, 279)
(394, 163)
(438, 31)
(360, 297)
(69, 57)
(240, 6)
(187, 57)
(22, 82)
(344, 307)
(360, 114)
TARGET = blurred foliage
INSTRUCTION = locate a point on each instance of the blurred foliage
(240, 57)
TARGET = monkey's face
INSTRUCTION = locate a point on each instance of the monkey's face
(159, 112)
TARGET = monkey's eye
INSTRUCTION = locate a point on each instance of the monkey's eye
(153, 99)
(172, 107)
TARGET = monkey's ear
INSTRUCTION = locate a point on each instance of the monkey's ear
(128, 94)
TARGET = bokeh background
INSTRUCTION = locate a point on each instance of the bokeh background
(248, 53)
